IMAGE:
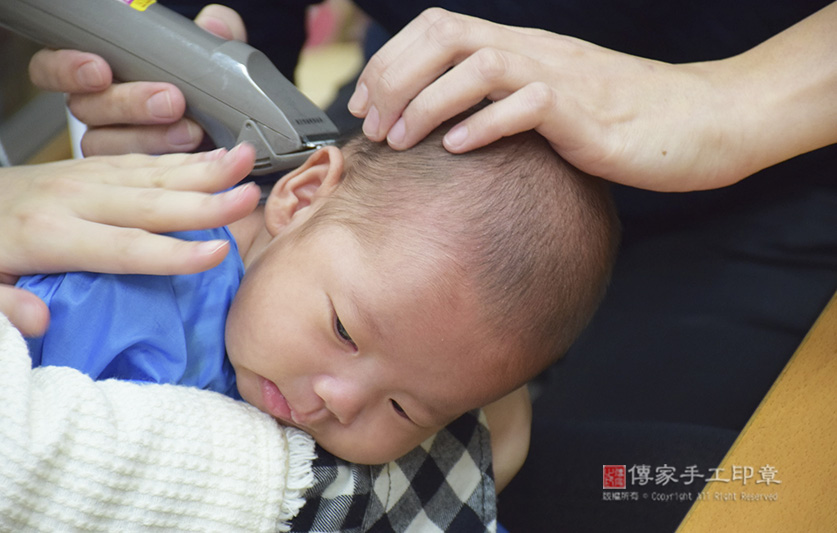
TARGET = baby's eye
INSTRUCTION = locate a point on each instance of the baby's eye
(399, 410)
(341, 331)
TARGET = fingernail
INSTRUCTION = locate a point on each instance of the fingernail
(456, 137)
(357, 103)
(159, 105)
(241, 190)
(370, 125)
(88, 74)
(184, 135)
(396, 134)
(216, 26)
(210, 247)
(215, 154)
(232, 155)
(238, 147)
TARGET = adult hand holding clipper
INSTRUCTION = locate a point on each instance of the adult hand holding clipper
(232, 90)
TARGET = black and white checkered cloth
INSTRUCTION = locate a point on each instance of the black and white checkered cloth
(446, 484)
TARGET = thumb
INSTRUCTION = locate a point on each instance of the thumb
(25, 310)
(222, 21)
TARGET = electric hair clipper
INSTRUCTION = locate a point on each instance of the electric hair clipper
(232, 90)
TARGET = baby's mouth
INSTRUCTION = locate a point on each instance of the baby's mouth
(274, 401)
(277, 406)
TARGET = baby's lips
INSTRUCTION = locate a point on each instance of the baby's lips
(274, 401)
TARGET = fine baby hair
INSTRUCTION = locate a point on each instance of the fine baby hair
(535, 237)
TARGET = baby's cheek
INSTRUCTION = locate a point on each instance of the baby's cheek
(245, 384)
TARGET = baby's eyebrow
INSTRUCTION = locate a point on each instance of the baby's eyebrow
(359, 311)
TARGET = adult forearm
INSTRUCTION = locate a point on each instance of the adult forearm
(782, 94)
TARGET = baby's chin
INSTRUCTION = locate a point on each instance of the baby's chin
(367, 458)
(366, 455)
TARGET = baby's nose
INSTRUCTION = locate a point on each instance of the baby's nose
(344, 399)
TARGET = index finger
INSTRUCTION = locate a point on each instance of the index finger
(417, 56)
(388, 55)
(69, 71)
(205, 171)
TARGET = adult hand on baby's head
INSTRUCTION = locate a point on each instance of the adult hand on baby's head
(608, 113)
(140, 117)
(631, 120)
(102, 214)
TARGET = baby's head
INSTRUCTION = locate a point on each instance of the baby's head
(401, 289)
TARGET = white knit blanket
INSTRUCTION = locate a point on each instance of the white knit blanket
(81, 455)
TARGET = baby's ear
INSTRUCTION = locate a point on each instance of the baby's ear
(317, 178)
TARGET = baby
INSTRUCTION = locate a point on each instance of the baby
(385, 293)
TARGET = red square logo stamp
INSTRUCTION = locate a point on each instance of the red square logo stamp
(613, 476)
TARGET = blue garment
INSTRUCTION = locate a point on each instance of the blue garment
(160, 329)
